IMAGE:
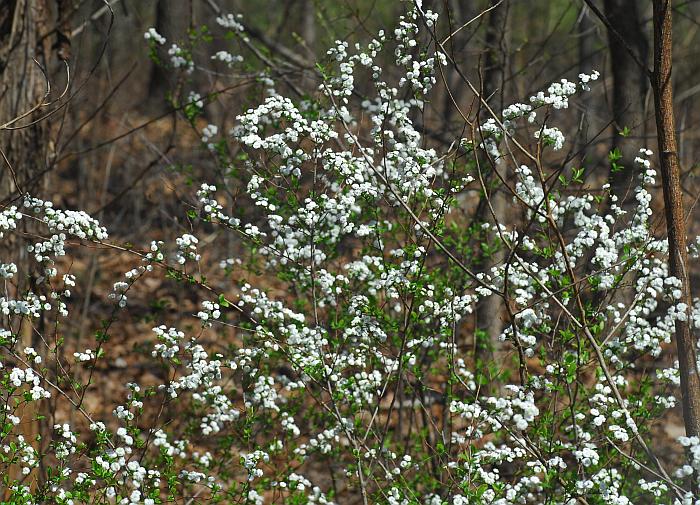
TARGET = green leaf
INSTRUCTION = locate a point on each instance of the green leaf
(223, 302)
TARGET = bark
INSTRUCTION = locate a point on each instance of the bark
(172, 20)
(308, 34)
(490, 309)
(586, 33)
(22, 86)
(630, 85)
(673, 203)
(28, 155)
(497, 54)
(27, 150)
(457, 46)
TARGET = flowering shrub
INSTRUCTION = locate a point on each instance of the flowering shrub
(338, 360)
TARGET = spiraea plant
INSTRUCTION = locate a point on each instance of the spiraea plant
(337, 358)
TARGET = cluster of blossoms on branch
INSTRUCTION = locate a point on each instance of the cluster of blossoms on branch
(360, 375)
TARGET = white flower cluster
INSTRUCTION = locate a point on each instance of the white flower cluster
(152, 34)
(558, 93)
(18, 376)
(231, 21)
(551, 136)
(211, 312)
(228, 58)
(179, 58)
(187, 248)
(492, 131)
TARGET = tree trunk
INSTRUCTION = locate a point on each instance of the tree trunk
(22, 87)
(490, 309)
(308, 34)
(460, 13)
(675, 216)
(586, 33)
(630, 85)
(172, 19)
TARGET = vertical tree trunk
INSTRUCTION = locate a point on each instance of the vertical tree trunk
(460, 13)
(497, 53)
(630, 85)
(22, 87)
(308, 33)
(586, 33)
(490, 309)
(171, 20)
(673, 202)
